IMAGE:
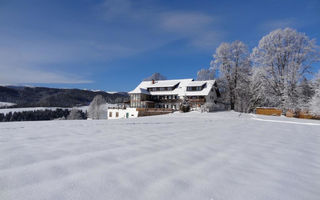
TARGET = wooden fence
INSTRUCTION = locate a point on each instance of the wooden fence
(289, 113)
(301, 114)
(268, 111)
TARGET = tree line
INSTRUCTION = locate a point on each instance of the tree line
(37, 115)
(279, 72)
(96, 110)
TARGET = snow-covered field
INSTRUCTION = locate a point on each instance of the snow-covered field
(83, 108)
(211, 156)
(6, 104)
(7, 110)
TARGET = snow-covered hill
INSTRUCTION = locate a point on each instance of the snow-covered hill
(54, 97)
(7, 110)
(219, 156)
(83, 108)
(6, 104)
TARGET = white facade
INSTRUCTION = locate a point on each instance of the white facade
(170, 94)
(122, 113)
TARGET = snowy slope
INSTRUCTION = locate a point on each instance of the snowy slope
(6, 104)
(7, 110)
(215, 156)
(83, 108)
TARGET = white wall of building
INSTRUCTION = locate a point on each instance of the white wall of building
(115, 113)
(212, 96)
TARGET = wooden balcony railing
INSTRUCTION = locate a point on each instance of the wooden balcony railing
(196, 100)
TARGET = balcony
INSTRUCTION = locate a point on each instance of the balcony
(196, 100)
(168, 100)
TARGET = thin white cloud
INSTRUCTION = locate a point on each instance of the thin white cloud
(279, 23)
(116, 8)
(185, 22)
(198, 28)
(209, 39)
(22, 63)
(127, 29)
(163, 25)
(26, 75)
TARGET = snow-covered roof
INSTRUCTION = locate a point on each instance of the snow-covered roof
(164, 83)
(161, 83)
(196, 83)
(139, 90)
(205, 91)
(181, 90)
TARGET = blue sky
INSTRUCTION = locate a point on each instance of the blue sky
(113, 44)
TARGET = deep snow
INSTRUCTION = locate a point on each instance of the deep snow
(224, 155)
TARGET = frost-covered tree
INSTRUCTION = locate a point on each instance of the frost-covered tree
(316, 82)
(74, 114)
(206, 74)
(97, 108)
(305, 92)
(315, 101)
(258, 92)
(286, 56)
(232, 60)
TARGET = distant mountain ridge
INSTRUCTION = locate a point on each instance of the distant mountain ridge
(24, 96)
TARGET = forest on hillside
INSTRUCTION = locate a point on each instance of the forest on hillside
(54, 97)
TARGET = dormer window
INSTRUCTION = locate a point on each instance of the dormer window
(196, 88)
(169, 88)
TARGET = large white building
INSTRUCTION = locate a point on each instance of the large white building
(159, 97)
(171, 93)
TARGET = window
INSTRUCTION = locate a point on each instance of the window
(110, 114)
(192, 88)
(196, 88)
(117, 114)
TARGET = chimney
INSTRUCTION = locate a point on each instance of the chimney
(153, 81)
